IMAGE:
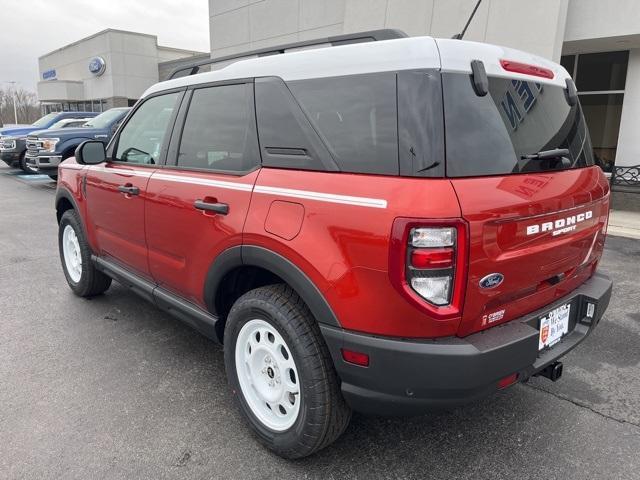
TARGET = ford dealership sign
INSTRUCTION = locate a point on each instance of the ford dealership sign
(97, 66)
(49, 74)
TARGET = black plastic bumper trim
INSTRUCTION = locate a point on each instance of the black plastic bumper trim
(408, 376)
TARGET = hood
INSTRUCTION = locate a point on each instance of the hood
(70, 132)
(17, 131)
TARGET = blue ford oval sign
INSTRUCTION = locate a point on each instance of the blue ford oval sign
(491, 281)
(97, 66)
(49, 74)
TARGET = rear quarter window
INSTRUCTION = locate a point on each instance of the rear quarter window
(356, 117)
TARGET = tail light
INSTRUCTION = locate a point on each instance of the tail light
(428, 264)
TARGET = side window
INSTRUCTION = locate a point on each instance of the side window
(357, 118)
(143, 136)
(219, 130)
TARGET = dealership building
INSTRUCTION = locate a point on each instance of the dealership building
(109, 69)
(597, 41)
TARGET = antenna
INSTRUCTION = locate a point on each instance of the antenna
(458, 36)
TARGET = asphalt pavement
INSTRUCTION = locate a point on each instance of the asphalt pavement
(114, 388)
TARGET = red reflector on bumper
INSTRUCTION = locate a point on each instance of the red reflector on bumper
(357, 358)
(506, 381)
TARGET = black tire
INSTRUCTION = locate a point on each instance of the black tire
(22, 163)
(324, 414)
(92, 282)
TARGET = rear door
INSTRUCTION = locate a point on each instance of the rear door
(116, 191)
(198, 203)
(537, 224)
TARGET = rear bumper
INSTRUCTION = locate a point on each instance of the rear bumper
(411, 376)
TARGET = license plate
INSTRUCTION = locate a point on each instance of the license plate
(553, 326)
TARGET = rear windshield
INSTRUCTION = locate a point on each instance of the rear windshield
(493, 135)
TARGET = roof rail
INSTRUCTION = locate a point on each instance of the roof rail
(360, 37)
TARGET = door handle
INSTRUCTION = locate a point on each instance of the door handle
(221, 208)
(130, 189)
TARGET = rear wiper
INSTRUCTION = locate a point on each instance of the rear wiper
(555, 153)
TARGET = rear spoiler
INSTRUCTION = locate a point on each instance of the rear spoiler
(346, 39)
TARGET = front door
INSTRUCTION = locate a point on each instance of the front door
(198, 205)
(116, 191)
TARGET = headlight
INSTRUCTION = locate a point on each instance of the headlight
(49, 144)
(7, 143)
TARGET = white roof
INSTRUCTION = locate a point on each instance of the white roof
(381, 56)
(456, 56)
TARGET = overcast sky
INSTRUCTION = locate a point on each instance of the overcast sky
(31, 28)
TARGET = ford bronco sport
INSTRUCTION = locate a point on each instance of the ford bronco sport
(388, 226)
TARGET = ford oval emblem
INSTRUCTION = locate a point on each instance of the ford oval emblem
(491, 281)
(97, 66)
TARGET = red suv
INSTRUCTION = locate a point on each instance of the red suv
(387, 226)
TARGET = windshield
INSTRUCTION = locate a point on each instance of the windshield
(67, 124)
(502, 132)
(44, 120)
(105, 119)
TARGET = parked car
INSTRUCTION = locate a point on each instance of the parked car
(390, 226)
(21, 143)
(47, 148)
(13, 140)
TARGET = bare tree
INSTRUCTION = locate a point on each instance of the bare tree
(26, 105)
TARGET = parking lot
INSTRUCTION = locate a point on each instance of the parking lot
(114, 388)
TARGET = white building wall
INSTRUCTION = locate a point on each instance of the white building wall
(237, 25)
(546, 27)
(167, 54)
(61, 89)
(600, 26)
(72, 62)
(589, 19)
(628, 152)
(131, 66)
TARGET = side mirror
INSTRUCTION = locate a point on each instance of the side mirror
(90, 152)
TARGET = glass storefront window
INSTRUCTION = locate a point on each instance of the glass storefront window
(569, 63)
(602, 112)
(602, 71)
(600, 79)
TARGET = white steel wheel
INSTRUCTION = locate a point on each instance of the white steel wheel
(267, 375)
(71, 253)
